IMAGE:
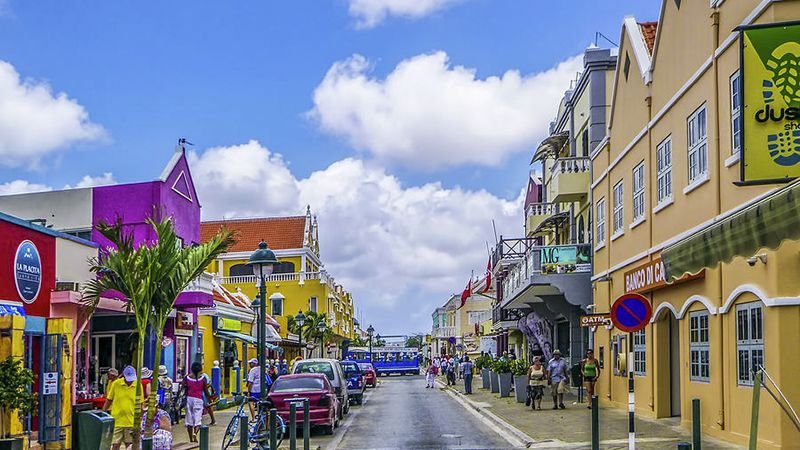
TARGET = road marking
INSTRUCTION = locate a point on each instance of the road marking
(515, 437)
(345, 426)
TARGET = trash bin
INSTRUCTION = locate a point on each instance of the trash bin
(577, 376)
(76, 409)
(94, 430)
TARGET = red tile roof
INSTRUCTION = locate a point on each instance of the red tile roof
(280, 233)
(649, 34)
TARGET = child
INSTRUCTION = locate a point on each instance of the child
(430, 376)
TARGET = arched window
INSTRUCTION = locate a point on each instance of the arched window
(240, 270)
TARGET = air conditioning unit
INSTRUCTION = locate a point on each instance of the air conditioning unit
(72, 286)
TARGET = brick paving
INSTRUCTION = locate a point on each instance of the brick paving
(571, 427)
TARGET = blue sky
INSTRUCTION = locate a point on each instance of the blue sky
(147, 73)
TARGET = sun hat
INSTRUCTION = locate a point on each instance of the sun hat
(147, 373)
(253, 361)
(129, 373)
(113, 372)
(557, 352)
(162, 370)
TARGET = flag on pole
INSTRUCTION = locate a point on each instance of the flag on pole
(465, 294)
(488, 276)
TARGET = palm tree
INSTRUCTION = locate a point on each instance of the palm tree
(149, 278)
(310, 331)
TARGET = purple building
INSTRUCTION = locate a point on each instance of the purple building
(105, 340)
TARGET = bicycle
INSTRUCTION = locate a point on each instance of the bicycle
(258, 428)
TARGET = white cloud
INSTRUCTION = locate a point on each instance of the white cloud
(398, 248)
(430, 114)
(22, 187)
(370, 13)
(35, 122)
(90, 181)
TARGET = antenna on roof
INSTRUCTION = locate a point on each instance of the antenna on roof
(598, 34)
(182, 143)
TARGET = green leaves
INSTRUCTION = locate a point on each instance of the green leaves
(14, 396)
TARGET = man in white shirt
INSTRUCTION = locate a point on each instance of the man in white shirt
(254, 384)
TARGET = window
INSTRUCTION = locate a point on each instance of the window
(585, 142)
(638, 192)
(619, 213)
(601, 221)
(581, 232)
(639, 353)
(283, 267)
(664, 170)
(749, 341)
(277, 306)
(619, 356)
(736, 113)
(698, 346)
(478, 317)
(312, 304)
(626, 68)
(698, 145)
(240, 270)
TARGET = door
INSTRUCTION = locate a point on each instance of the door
(181, 357)
(103, 358)
(674, 367)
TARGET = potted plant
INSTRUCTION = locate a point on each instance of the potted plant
(494, 380)
(519, 368)
(15, 380)
(503, 369)
(484, 360)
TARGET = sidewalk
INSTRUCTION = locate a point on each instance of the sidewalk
(571, 428)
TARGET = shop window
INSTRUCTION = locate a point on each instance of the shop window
(240, 270)
(699, 360)
(749, 341)
(639, 353)
(277, 306)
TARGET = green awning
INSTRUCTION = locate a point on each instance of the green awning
(236, 336)
(550, 147)
(764, 224)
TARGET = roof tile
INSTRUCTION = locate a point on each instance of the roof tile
(649, 34)
(280, 233)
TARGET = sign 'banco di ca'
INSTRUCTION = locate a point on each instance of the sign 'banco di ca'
(651, 276)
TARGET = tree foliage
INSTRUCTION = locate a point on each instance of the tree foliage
(14, 395)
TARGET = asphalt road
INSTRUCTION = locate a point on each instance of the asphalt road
(402, 414)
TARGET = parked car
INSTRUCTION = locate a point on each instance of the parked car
(355, 381)
(370, 376)
(323, 405)
(332, 370)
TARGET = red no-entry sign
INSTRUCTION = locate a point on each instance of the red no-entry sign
(631, 312)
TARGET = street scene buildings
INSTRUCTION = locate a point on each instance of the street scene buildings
(642, 283)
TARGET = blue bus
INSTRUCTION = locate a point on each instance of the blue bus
(388, 360)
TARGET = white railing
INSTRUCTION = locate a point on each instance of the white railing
(443, 332)
(542, 209)
(296, 276)
(575, 164)
(203, 283)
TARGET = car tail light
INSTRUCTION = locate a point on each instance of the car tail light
(325, 401)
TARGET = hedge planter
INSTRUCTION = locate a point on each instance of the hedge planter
(485, 374)
(505, 384)
(521, 388)
(494, 382)
(11, 444)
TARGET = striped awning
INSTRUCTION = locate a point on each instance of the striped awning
(550, 147)
(764, 224)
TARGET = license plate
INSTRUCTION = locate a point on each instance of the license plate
(298, 404)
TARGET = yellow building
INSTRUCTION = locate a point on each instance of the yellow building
(299, 282)
(543, 278)
(458, 329)
(671, 203)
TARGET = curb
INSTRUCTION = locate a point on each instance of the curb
(518, 438)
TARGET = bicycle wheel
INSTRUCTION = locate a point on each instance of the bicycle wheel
(231, 433)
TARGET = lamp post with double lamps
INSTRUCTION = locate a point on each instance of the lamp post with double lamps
(321, 327)
(370, 330)
(262, 261)
(300, 320)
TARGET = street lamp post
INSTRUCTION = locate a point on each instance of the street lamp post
(321, 328)
(262, 261)
(370, 330)
(300, 320)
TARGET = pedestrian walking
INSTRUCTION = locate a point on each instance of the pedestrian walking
(590, 369)
(537, 379)
(120, 403)
(162, 429)
(466, 369)
(430, 376)
(194, 386)
(451, 372)
(284, 367)
(557, 372)
(164, 392)
(146, 376)
(210, 399)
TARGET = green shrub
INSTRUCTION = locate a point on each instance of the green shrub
(519, 367)
(502, 365)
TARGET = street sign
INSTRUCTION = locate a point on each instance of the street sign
(631, 312)
(596, 320)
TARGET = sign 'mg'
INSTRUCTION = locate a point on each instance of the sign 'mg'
(770, 75)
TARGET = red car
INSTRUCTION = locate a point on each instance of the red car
(370, 376)
(316, 388)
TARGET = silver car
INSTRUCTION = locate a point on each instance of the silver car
(333, 370)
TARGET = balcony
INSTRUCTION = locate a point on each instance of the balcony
(569, 179)
(296, 276)
(538, 213)
(443, 332)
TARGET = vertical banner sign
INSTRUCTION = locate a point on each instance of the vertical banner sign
(28, 271)
(770, 103)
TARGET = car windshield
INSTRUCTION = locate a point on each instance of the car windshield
(315, 367)
(298, 384)
(365, 366)
(350, 370)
